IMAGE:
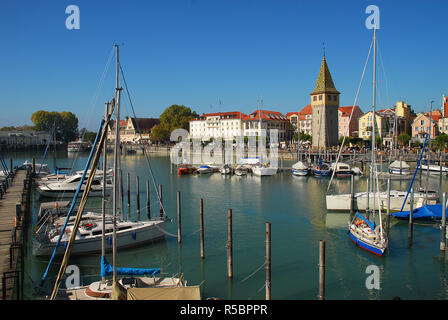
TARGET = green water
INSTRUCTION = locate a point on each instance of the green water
(295, 206)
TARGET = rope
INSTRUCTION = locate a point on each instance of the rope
(259, 268)
(351, 114)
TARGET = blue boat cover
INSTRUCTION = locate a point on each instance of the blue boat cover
(369, 223)
(108, 269)
(431, 211)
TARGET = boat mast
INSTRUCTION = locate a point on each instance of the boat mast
(372, 161)
(116, 155)
(103, 205)
(429, 152)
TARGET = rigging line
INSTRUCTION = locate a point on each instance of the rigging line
(351, 115)
(253, 273)
(142, 145)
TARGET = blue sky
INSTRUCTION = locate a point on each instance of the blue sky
(200, 52)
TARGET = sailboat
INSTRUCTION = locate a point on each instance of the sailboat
(363, 232)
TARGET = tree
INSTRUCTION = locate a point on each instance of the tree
(66, 124)
(441, 141)
(174, 117)
(347, 140)
(403, 139)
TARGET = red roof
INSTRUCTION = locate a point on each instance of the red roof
(347, 110)
(305, 111)
(435, 115)
(289, 114)
(266, 115)
(223, 115)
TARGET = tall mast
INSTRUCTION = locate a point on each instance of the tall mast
(116, 155)
(103, 205)
(372, 162)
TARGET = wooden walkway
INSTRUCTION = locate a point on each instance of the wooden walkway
(8, 232)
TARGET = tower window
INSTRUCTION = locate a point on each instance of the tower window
(320, 97)
(314, 98)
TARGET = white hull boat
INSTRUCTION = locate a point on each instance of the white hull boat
(264, 171)
(399, 168)
(299, 169)
(89, 238)
(204, 170)
(341, 202)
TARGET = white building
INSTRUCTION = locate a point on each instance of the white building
(227, 125)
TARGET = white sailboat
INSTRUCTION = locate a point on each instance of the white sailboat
(399, 167)
(299, 169)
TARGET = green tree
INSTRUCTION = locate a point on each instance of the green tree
(403, 139)
(174, 117)
(347, 140)
(441, 141)
(66, 124)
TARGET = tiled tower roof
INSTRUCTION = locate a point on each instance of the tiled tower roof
(324, 82)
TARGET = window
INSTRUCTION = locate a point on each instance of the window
(315, 98)
(320, 97)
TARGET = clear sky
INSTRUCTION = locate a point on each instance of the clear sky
(200, 52)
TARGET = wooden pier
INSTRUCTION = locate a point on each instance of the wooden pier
(14, 209)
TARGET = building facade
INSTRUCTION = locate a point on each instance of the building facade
(347, 127)
(324, 104)
(259, 120)
(226, 125)
(422, 125)
(133, 130)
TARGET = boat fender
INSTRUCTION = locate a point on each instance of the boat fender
(109, 240)
(134, 235)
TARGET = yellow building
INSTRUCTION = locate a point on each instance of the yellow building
(365, 125)
(404, 110)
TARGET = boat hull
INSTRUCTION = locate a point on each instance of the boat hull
(264, 171)
(379, 251)
(125, 239)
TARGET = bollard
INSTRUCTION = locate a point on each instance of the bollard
(321, 270)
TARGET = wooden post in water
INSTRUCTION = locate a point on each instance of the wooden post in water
(321, 270)
(161, 199)
(229, 245)
(411, 209)
(128, 184)
(201, 226)
(443, 228)
(352, 196)
(148, 201)
(34, 166)
(120, 173)
(440, 173)
(388, 206)
(268, 261)
(137, 181)
(179, 223)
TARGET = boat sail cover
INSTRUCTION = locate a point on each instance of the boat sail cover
(108, 269)
(431, 211)
(396, 164)
(369, 223)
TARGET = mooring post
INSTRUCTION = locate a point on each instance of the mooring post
(268, 261)
(161, 199)
(321, 270)
(137, 181)
(388, 206)
(34, 166)
(148, 201)
(201, 226)
(128, 183)
(229, 245)
(179, 223)
(440, 174)
(352, 196)
(443, 228)
(411, 211)
(120, 173)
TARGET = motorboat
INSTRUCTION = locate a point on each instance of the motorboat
(226, 169)
(299, 169)
(79, 146)
(61, 176)
(264, 170)
(399, 167)
(204, 169)
(184, 169)
(41, 168)
(433, 168)
(67, 187)
(241, 170)
(341, 170)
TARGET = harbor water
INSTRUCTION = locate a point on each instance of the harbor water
(295, 207)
